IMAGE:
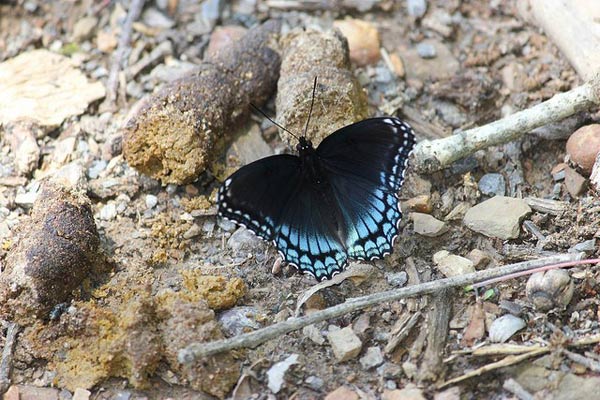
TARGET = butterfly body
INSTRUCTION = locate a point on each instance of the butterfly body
(328, 204)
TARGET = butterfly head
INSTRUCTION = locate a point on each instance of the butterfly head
(304, 145)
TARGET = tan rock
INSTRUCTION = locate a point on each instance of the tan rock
(583, 146)
(363, 40)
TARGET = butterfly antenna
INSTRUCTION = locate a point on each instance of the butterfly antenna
(269, 118)
(312, 103)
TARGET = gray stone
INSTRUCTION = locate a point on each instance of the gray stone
(372, 358)
(243, 240)
(314, 334)
(314, 382)
(426, 225)
(504, 327)
(426, 50)
(151, 201)
(344, 344)
(452, 265)
(450, 113)
(237, 320)
(587, 246)
(416, 8)
(156, 19)
(498, 217)
(397, 279)
(108, 212)
(492, 185)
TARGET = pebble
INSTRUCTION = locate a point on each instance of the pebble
(193, 232)
(492, 185)
(372, 358)
(108, 212)
(84, 28)
(151, 201)
(426, 50)
(81, 394)
(73, 173)
(156, 19)
(397, 279)
(558, 172)
(421, 204)
(344, 344)
(314, 382)
(575, 183)
(96, 168)
(275, 374)
(342, 393)
(243, 240)
(451, 264)
(238, 320)
(26, 199)
(25, 392)
(226, 225)
(223, 37)
(587, 246)
(416, 8)
(549, 289)
(479, 258)
(314, 334)
(363, 40)
(426, 225)
(504, 327)
(583, 146)
(498, 217)
(450, 113)
(21, 136)
(408, 393)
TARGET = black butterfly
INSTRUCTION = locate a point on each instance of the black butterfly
(328, 204)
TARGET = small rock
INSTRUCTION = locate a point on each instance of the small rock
(458, 212)
(314, 334)
(361, 324)
(440, 21)
(452, 265)
(156, 19)
(96, 168)
(23, 392)
(504, 327)
(498, 217)
(416, 8)
(575, 183)
(397, 279)
(397, 65)
(450, 113)
(583, 146)
(558, 172)
(238, 320)
(84, 28)
(426, 225)
(108, 212)
(151, 201)
(408, 393)
(426, 50)
(363, 40)
(314, 382)
(243, 240)
(193, 232)
(276, 373)
(587, 246)
(372, 358)
(81, 394)
(444, 65)
(223, 37)
(106, 41)
(344, 344)
(549, 289)
(23, 145)
(342, 393)
(26, 199)
(492, 185)
(479, 258)
(514, 76)
(420, 204)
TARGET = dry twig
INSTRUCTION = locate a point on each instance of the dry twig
(253, 339)
(112, 84)
(7, 355)
(438, 154)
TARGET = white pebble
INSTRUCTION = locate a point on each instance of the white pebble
(151, 201)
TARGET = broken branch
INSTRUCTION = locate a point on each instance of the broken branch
(434, 155)
(253, 339)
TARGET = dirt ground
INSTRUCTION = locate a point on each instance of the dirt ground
(174, 274)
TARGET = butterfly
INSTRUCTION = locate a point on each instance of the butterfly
(328, 204)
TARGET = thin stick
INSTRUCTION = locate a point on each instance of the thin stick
(253, 339)
(434, 155)
(312, 103)
(118, 61)
(540, 269)
(7, 355)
